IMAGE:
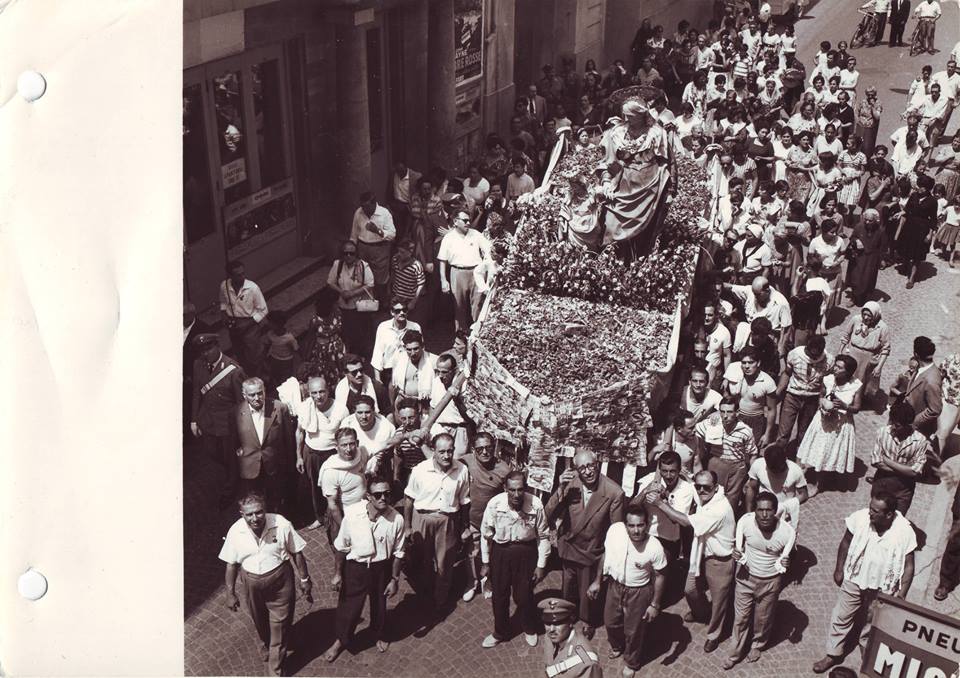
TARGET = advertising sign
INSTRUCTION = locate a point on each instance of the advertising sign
(909, 641)
(467, 40)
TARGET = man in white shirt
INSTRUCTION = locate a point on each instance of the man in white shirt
(633, 564)
(514, 547)
(259, 547)
(462, 250)
(452, 419)
(875, 556)
(369, 557)
(697, 397)
(519, 182)
(949, 81)
(243, 308)
(763, 546)
(776, 474)
(413, 371)
(714, 529)
(718, 342)
(754, 253)
(667, 484)
(928, 11)
(388, 341)
(342, 479)
(881, 9)
(761, 300)
(373, 231)
(318, 418)
(373, 432)
(437, 512)
(933, 111)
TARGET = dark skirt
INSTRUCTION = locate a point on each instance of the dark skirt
(912, 244)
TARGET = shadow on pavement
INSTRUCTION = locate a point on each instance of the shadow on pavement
(666, 632)
(312, 635)
(801, 562)
(790, 624)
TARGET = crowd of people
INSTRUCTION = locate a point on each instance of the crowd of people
(805, 206)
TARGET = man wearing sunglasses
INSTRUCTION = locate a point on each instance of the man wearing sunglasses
(585, 504)
(369, 558)
(711, 558)
(389, 339)
(355, 384)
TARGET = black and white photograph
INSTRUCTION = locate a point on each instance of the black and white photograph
(570, 338)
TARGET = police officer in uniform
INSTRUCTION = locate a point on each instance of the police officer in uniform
(217, 391)
(567, 654)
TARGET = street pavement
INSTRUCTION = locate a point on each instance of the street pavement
(221, 642)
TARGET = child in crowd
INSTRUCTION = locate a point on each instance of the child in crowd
(949, 231)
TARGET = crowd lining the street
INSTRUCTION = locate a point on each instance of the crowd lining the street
(806, 207)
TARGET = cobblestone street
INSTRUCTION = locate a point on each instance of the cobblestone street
(221, 642)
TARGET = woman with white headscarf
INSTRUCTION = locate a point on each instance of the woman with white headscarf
(867, 339)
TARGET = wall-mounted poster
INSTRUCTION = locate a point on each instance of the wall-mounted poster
(467, 40)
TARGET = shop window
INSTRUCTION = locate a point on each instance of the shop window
(268, 114)
(198, 219)
(231, 135)
(375, 88)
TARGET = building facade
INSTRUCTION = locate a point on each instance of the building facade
(292, 108)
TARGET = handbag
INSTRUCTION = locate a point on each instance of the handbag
(371, 305)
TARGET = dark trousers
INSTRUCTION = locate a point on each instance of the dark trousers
(436, 539)
(271, 598)
(222, 451)
(312, 461)
(897, 26)
(359, 583)
(270, 485)
(246, 344)
(881, 25)
(950, 562)
(717, 577)
(623, 619)
(732, 475)
(576, 580)
(511, 571)
(797, 410)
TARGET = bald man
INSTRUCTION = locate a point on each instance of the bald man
(585, 504)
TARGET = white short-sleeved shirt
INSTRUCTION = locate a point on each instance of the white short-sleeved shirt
(679, 498)
(876, 561)
(276, 545)
(370, 542)
(783, 488)
(374, 440)
(388, 343)
(463, 250)
(754, 259)
(718, 340)
(763, 554)
(714, 527)
(475, 195)
(327, 425)
(711, 401)
(433, 490)
(776, 310)
(625, 563)
(753, 397)
(349, 485)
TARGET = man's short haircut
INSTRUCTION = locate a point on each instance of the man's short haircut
(486, 435)
(669, 458)
(345, 431)
(700, 367)
(749, 352)
(364, 399)
(408, 403)
(681, 416)
(637, 508)
(253, 381)
(252, 497)
(233, 265)
(442, 436)
(775, 456)
(412, 337)
(902, 413)
(887, 498)
(707, 472)
(377, 479)
(768, 496)
(447, 358)
(761, 325)
(351, 359)
(399, 301)
(817, 342)
(366, 197)
(730, 400)
(515, 475)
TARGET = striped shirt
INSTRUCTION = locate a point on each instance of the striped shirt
(408, 279)
(911, 452)
(737, 445)
(806, 375)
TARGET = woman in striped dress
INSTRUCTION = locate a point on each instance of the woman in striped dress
(853, 166)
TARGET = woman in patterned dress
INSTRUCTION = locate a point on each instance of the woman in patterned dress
(324, 344)
(853, 166)
(944, 165)
(866, 338)
(868, 119)
(950, 414)
(829, 445)
(800, 163)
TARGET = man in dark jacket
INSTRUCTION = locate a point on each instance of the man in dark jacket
(899, 13)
